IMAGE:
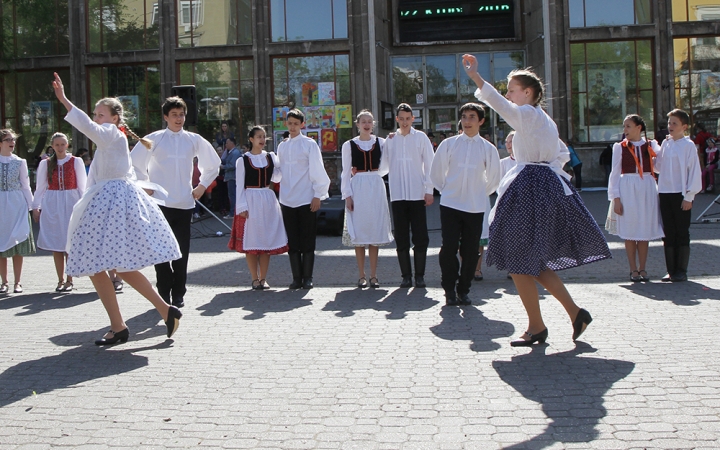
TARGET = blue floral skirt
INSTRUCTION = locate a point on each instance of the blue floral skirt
(538, 227)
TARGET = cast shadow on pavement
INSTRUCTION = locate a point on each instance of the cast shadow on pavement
(468, 323)
(259, 303)
(687, 293)
(569, 388)
(147, 325)
(397, 304)
(72, 367)
(38, 303)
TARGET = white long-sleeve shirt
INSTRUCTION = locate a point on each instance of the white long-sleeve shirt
(42, 179)
(302, 172)
(260, 160)
(679, 168)
(616, 172)
(466, 170)
(345, 185)
(408, 160)
(506, 164)
(170, 164)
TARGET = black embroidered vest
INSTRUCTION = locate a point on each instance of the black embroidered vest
(365, 161)
(257, 177)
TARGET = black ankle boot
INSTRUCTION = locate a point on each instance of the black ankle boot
(296, 268)
(669, 263)
(682, 255)
(420, 257)
(308, 262)
(405, 269)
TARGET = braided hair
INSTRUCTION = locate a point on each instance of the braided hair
(529, 80)
(116, 109)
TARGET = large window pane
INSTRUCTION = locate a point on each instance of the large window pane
(503, 64)
(594, 13)
(306, 20)
(34, 28)
(441, 78)
(408, 79)
(218, 22)
(697, 74)
(122, 25)
(340, 19)
(577, 13)
(468, 86)
(692, 10)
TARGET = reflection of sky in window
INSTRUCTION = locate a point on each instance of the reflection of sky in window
(277, 16)
(483, 70)
(577, 13)
(609, 12)
(341, 19)
(504, 64)
(308, 20)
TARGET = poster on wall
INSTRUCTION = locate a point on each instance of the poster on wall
(606, 104)
(312, 134)
(41, 118)
(343, 116)
(327, 116)
(279, 116)
(313, 117)
(309, 94)
(277, 139)
(131, 109)
(710, 89)
(329, 140)
(326, 93)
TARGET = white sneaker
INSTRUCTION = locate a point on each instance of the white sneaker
(228, 217)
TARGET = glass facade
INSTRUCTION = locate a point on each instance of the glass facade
(307, 20)
(609, 81)
(697, 79)
(596, 13)
(225, 91)
(202, 23)
(117, 25)
(34, 28)
(694, 10)
(30, 110)
(438, 83)
(137, 87)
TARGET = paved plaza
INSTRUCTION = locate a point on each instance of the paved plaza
(341, 368)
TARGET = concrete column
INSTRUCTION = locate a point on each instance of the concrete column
(168, 43)
(664, 61)
(262, 65)
(360, 41)
(77, 83)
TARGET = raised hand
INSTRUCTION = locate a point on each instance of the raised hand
(60, 92)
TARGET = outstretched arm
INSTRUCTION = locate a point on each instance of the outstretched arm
(60, 92)
(470, 63)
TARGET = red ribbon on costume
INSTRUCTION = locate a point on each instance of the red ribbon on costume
(123, 128)
(631, 148)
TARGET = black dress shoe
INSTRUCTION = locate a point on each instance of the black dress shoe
(173, 321)
(582, 320)
(451, 300)
(178, 302)
(117, 336)
(540, 337)
(463, 299)
(307, 283)
(406, 283)
(420, 282)
(679, 276)
(296, 284)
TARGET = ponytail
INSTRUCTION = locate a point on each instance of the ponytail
(147, 143)
(51, 166)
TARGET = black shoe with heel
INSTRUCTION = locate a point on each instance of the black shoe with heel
(173, 320)
(540, 338)
(117, 336)
(582, 320)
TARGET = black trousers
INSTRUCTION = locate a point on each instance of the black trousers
(172, 276)
(577, 171)
(676, 222)
(460, 231)
(300, 227)
(407, 215)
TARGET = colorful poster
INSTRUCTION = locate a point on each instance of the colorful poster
(327, 116)
(343, 116)
(131, 109)
(313, 117)
(326, 93)
(279, 116)
(309, 94)
(329, 140)
(312, 134)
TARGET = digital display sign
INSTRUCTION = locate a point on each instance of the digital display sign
(459, 20)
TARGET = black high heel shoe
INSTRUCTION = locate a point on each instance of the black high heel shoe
(173, 321)
(582, 320)
(540, 337)
(117, 336)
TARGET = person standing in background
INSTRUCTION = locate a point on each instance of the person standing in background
(228, 164)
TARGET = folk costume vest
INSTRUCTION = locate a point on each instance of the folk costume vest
(258, 177)
(368, 161)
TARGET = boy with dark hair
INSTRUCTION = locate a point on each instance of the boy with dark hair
(466, 169)
(169, 164)
(679, 168)
(408, 156)
(303, 184)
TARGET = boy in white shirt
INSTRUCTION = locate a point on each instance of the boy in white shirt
(466, 169)
(303, 184)
(679, 168)
(169, 163)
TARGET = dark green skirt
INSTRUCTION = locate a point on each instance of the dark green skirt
(25, 248)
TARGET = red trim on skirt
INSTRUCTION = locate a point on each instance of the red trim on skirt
(237, 237)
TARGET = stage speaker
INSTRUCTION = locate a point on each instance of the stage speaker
(187, 93)
(330, 221)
